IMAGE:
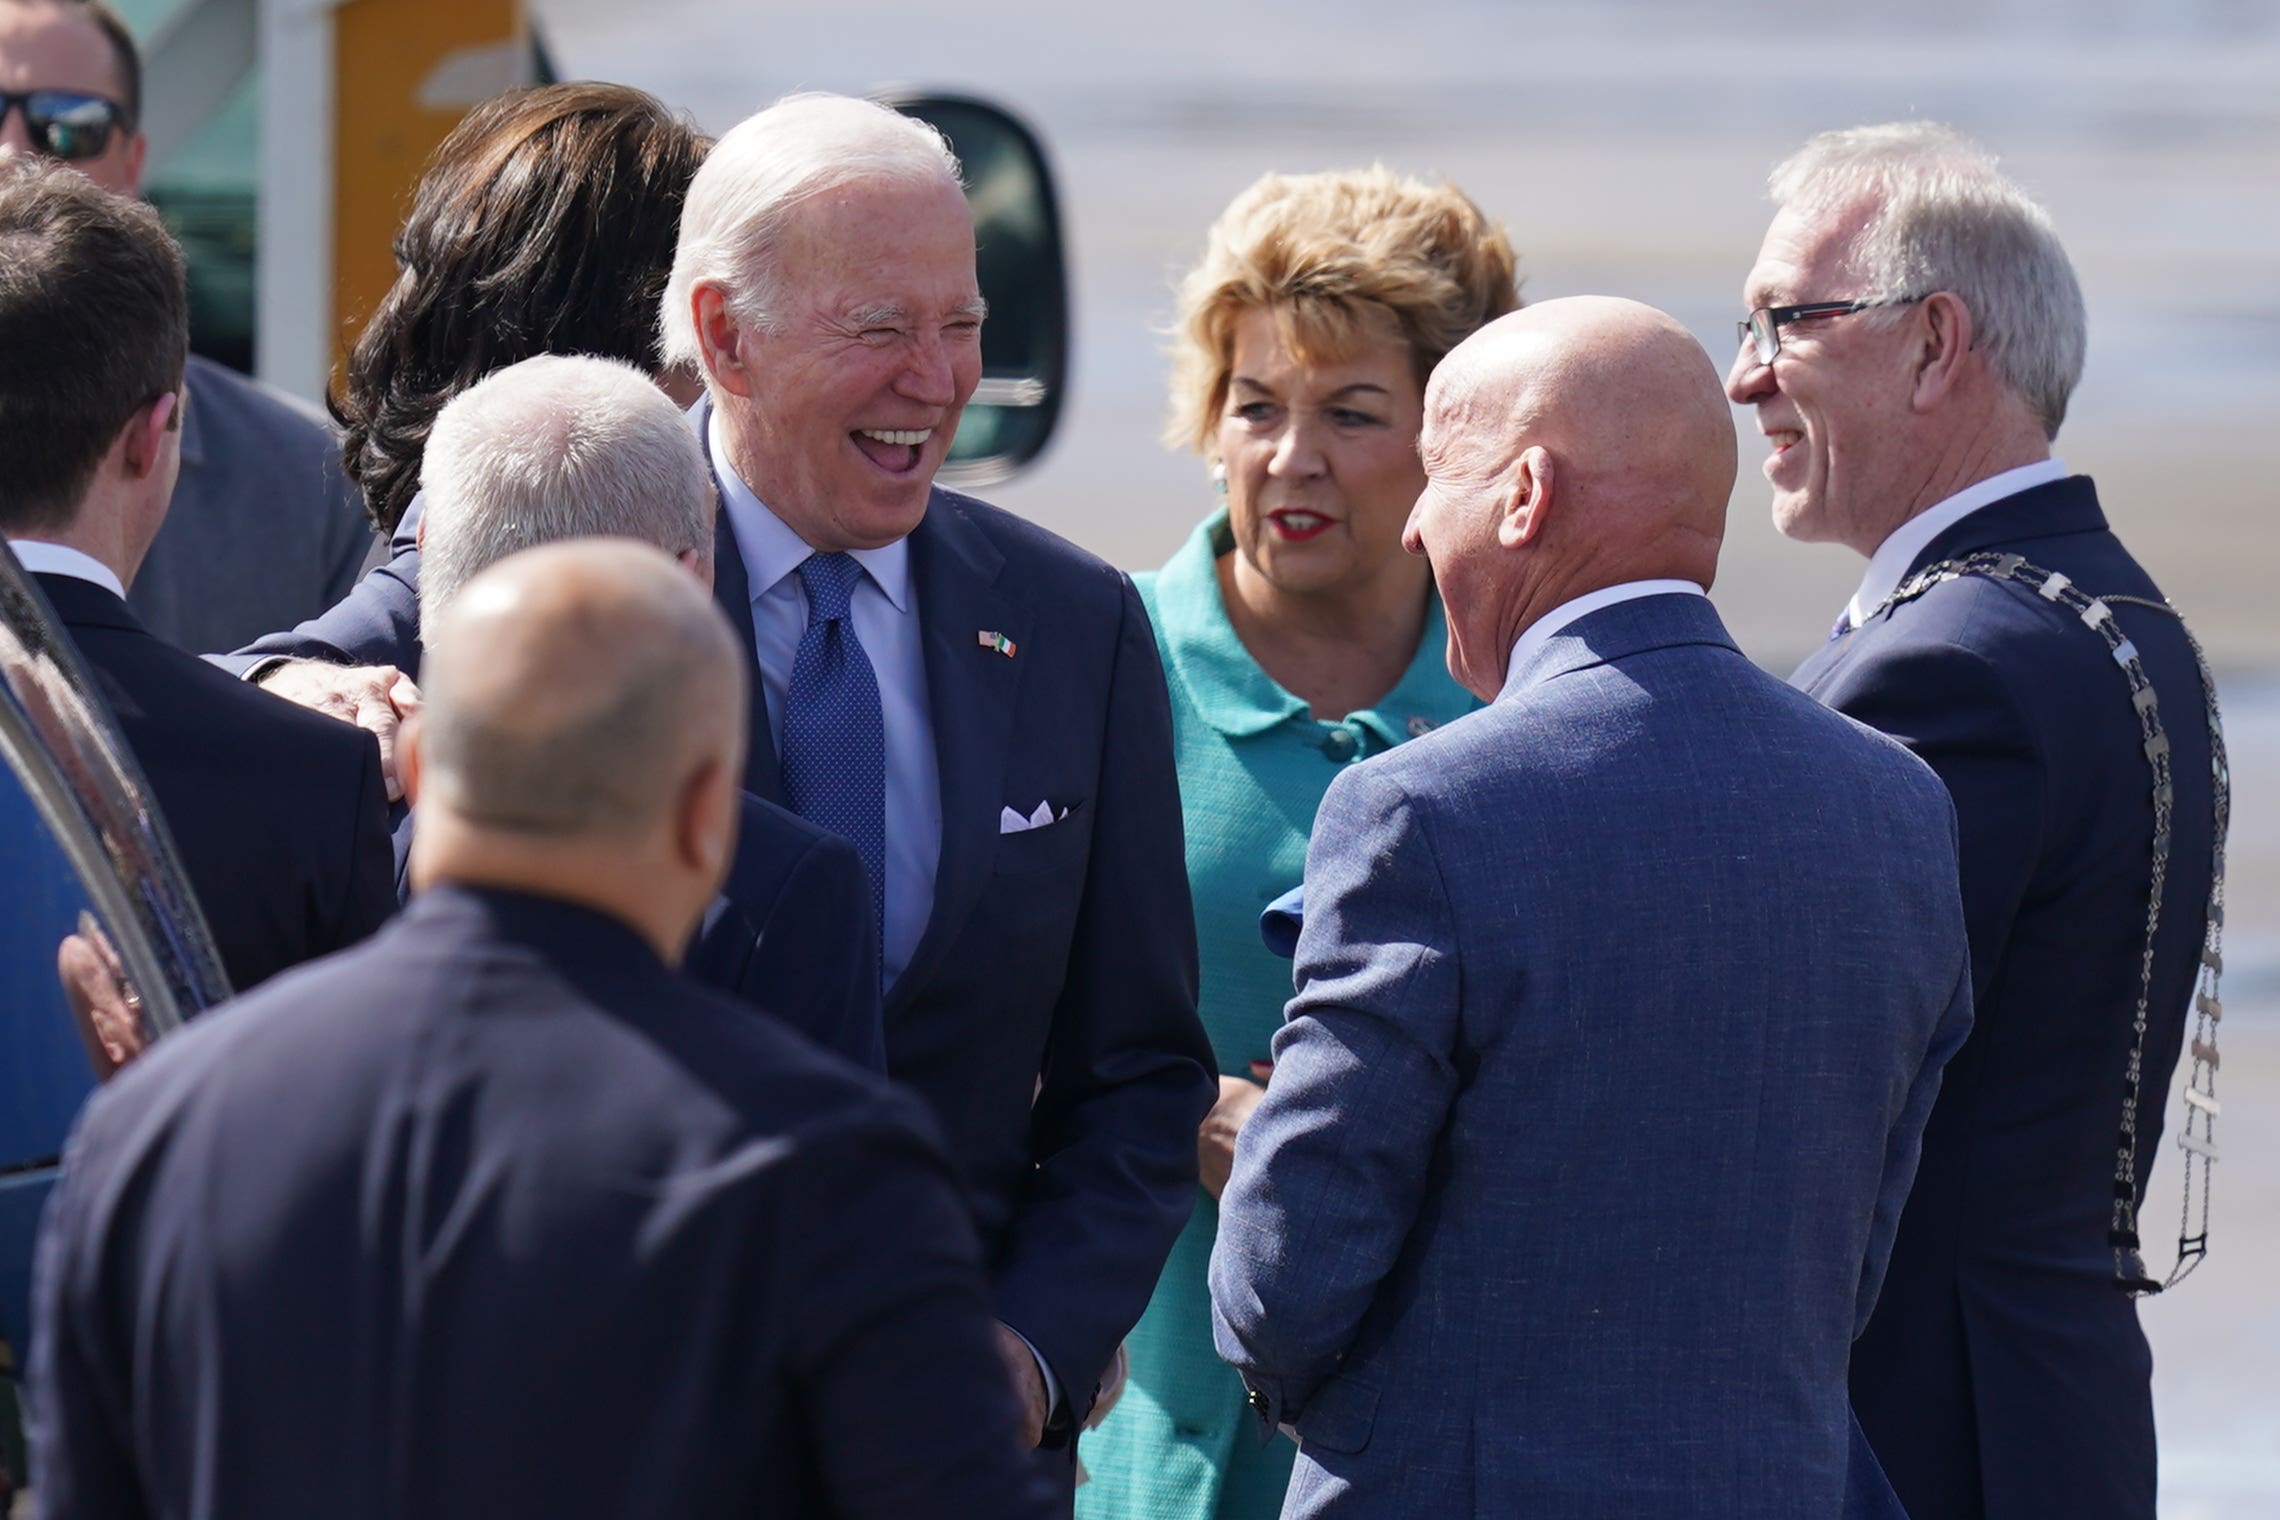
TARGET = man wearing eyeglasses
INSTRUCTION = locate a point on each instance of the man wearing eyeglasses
(264, 529)
(1915, 331)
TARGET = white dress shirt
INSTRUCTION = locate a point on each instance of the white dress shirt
(1893, 557)
(1539, 633)
(885, 612)
(40, 558)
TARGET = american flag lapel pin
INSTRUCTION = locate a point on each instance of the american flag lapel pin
(990, 638)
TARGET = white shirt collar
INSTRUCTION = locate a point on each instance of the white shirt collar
(40, 558)
(772, 550)
(1539, 633)
(1893, 557)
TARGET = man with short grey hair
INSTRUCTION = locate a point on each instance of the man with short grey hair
(1915, 331)
(976, 704)
(495, 1214)
(557, 448)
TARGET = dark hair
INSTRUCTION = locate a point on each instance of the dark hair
(114, 30)
(545, 224)
(95, 321)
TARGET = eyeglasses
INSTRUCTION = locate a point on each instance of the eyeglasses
(1763, 326)
(66, 124)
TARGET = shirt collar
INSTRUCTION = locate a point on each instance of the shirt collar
(1539, 633)
(1228, 688)
(40, 558)
(770, 548)
(1892, 558)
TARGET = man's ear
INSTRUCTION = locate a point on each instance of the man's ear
(145, 436)
(720, 338)
(419, 534)
(1942, 350)
(1526, 499)
(705, 819)
(408, 757)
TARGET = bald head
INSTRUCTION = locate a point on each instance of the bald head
(1573, 445)
(1621, 397)
(574, 690)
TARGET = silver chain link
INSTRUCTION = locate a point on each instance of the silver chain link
(2200, 1092)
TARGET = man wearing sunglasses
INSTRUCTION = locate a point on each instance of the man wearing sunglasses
(1914, 332)
(264, 529)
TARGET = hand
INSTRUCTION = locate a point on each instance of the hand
(1215, 1140)
(1028, 1385)
(376, 698)
(103, 1003)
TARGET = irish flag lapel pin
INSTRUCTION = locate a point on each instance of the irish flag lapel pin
(990, 638)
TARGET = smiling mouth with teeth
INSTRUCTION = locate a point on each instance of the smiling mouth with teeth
(886, 447)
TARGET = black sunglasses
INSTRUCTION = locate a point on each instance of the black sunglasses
(66, 124)
(1763, 326)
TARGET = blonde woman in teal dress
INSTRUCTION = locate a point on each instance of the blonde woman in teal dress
(1297, 638)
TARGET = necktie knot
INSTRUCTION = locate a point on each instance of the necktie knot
(829, 581)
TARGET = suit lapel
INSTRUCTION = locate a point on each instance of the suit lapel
(2045, 511)
(732, 589)
(1820, 665)
(971, 689)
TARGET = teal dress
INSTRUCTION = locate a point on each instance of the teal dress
(1253, 765)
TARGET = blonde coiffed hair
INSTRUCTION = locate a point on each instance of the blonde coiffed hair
(1342, 259)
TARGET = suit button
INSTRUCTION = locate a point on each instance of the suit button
(1259, 1401)
(1341, 745)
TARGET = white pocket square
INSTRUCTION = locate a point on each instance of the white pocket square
(1011, 822)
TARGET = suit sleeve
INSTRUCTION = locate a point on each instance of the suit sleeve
(1331, 1165)
(901, 1390)
(77, 1407)
(1129, 1073)
(817, 960)
(368, 892)
(377, 623)
(1904, 1145)
(1952, 707)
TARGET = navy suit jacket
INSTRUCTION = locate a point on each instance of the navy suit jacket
(2003, 1373)
(790, 932)
(278, 813)
(1621, 1004)
(264, 525)
(494, 1215)
(1062, 956)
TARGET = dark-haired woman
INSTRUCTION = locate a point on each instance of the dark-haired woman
(545, 224)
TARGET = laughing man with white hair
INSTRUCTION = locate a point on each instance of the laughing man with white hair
(975, 703)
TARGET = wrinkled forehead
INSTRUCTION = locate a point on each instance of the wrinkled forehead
(880, 240)
(1806, 254)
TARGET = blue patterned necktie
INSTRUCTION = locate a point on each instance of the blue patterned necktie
(835, 747)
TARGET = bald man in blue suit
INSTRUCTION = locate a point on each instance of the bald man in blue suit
(1620, 1005)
